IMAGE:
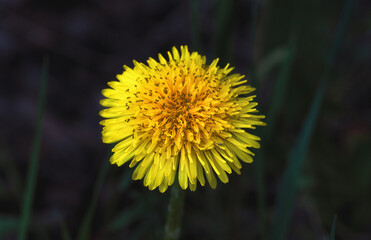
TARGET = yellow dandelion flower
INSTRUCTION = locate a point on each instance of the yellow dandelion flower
(180, 118)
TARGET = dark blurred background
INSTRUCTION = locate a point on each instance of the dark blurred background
(88, 42)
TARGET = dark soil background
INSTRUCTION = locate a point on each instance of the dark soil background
(88, 42)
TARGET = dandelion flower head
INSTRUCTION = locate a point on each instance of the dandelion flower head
(180, 118)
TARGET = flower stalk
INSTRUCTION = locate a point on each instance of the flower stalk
(175, 213)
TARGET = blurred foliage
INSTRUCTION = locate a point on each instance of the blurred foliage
(283, 45)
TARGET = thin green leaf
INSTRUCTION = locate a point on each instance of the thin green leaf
(286, 195)
(332, 234)
(33, 168)
(85, 227)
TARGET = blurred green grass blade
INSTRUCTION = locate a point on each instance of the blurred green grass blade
(33, 167)
(348, 6)
(195, 25)
(276, 105)
(332, 234)
(285, 201)
(127, 217)
(259, 166)
(286, 194)
(223, 30)
(85, 227)
(286, 58)
(280, 88)
(65, 233)
(274, 59)
(8, 224)
(125, 180)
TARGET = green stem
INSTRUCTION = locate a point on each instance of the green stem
(34, 162)
(175, 214)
